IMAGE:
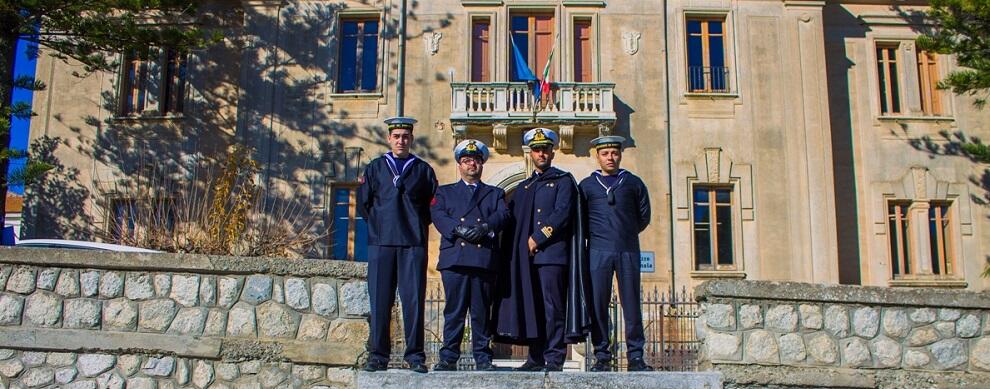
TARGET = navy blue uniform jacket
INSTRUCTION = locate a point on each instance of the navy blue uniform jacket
(398, 212)
(547, 208)
(453, 205)
(616, 227)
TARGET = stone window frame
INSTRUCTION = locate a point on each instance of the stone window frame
(155, 65)
(729, 38)
(567, 39)
(715, 166)
(383, 16)
(920, 187)
(495, 26)
(337, 32)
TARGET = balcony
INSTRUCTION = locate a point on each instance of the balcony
(708, 79)
(512, 103)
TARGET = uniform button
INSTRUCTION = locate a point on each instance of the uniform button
(479, 245)
(462, 219)
(539, 210)
(479, 220)
(538, 223)
(462, 244)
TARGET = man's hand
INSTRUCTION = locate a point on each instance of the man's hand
(470, 234)
(532, 247)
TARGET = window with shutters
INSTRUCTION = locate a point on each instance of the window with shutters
(349, 232)
(481, 50)
(153, 82)
(533, 35)
(583, 53)
(707, 65)
(712, 225)
(910, 224)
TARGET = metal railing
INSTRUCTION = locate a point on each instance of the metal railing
(494, 100)
(668, 321)
(708, 79)
(669, 327)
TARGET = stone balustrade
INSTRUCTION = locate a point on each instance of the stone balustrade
(97, 319)
(793, 334)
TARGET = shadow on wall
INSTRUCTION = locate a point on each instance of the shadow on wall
(241, 91)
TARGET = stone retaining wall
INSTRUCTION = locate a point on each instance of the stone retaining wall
(87, 318)
(793, 334)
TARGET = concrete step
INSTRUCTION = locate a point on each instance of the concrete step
(518, 380)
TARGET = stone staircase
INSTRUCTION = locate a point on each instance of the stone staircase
(519, 380)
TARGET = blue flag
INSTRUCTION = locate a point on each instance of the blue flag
(522, 72)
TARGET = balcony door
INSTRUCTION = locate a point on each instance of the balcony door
(533, 34)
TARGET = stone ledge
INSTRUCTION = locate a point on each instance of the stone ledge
(107, 341)
(746, 375)
(720, 290)
(228, 349)
(182, 263)
(518, 380)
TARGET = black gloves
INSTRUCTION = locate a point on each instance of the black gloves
(473, 234)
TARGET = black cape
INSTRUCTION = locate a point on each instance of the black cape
(514, 316)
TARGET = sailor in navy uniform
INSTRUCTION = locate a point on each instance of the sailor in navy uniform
(394, 197)
(618, 210)
(469, 215)
(532, 300)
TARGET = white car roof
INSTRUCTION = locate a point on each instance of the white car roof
(78, 244)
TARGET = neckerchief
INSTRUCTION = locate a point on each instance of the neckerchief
(608, 189)
(392, 166)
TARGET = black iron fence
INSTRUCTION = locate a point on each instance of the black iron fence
(668, 321)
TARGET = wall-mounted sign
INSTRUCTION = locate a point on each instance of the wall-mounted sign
(646, 262)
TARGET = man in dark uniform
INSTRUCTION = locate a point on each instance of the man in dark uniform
(469, 215)
(532, 301)
(394, 197)
(618, 210)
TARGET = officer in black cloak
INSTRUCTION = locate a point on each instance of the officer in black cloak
(394, 196)
(618, 210)
(535, 307)
(469, 214)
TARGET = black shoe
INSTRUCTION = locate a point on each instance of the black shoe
(602, 365)
(529, 366)
(638, 364)
(372, 366)
(553, 367)
(418, 368)
(445, 366)
(485, 366)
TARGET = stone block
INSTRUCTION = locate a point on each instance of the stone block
(792, 349)
(856, 353)
(38, 377)
(163, 284)
(278, 295)
(141, 383)
(227, 371)
(923, 315)
(202, 374)
(110, 380)
(11, 368)
(22, 280)
(296, 293)
(89, 283)
(324, 299)
(277, 321)
(185, 289)
(61, 359)
(11, 307)
(92, 365)
(750, 316)
(916, 359)
(229, 288)
(33, 358)
(822, 348)
(313, 327)
(83, 313)
(949, 314)
(208, 291)
(968, 326)
(354, 299)
(945, 329)
(722, 346)
(761, 347)
(887, 352)
(111, 285)
(216, 323)
(189, 321)
(156, 315)
(120, 315)
(782, 318)
(159, 367)
(837, 320)
(68, 283)
(139, 286)
(43, 309)
(241, 320)
(896, 323)
(979, 354)
(949, 353)
(866, 322)
(47, 278)
(922, 336)
(271, 375)
(128, 364)
(65, 375)
(257, 289)
(347, 330)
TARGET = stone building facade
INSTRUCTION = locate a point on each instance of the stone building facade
(780, 140)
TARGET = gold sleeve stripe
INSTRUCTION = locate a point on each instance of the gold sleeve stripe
(547, 231)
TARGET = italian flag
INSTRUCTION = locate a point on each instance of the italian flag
(544, 84)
